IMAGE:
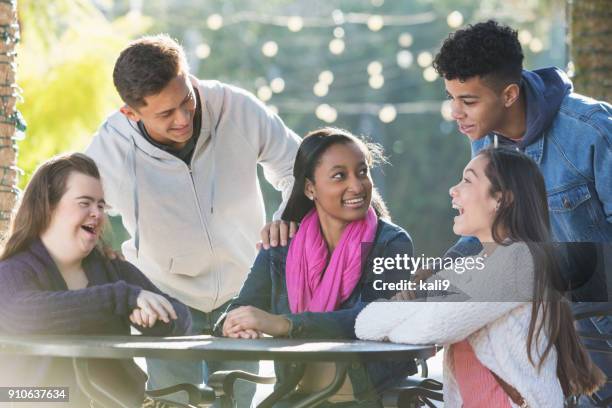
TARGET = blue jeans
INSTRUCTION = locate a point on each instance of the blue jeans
(164, 373)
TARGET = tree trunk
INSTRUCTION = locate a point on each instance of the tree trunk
(591, 48)
(10, 119)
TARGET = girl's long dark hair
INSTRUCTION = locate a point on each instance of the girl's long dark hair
(523, 217)
(309, 153)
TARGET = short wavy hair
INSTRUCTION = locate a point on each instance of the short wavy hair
(146, 67)
(488, 50)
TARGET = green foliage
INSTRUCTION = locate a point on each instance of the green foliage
(65, 61)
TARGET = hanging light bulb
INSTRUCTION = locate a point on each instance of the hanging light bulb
(424, 59)
(336, 46)
(202, 51)
(320, 89)
(214, 22)
(430, 74)
(269, 49)
(375, 68)
(446, 111)
(524, 37)
(536, 45)
(405, 40)
(326, 77)
(387, 114)
(454, 19)
(375, 23)
(295, 23)
(404, 59)
(376, 81)
(277, 85)
(264, 93)
(326, 113)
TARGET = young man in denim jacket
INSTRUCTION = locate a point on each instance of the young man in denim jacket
(496, 102)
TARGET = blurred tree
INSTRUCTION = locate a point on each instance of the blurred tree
(591, 48)
(10, 120)
(65, 69)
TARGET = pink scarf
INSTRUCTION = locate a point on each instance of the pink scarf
(311, 287)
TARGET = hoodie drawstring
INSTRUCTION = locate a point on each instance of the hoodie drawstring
(132, 164)
(213, 136)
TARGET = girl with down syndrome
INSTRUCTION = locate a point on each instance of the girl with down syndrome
(513, 342)
(308, 288)
(54, 278)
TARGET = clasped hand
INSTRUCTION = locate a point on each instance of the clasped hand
(248, 322)
(151, 308)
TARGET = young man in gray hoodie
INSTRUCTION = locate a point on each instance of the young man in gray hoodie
(179, 164)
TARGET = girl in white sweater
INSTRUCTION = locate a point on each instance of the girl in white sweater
(514, 343)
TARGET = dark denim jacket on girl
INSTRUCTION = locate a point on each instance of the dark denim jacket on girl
(265, 288)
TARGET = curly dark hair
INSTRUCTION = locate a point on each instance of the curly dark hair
(146, 66)
(488, 50)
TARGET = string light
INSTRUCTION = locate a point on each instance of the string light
(264, 93)
(361, 108)
(375, 23)
(326, 113)
(338, 17)
(405, 40)
(336, 46)
(424, 59)
(269, 49)
(326, 77)
(387, 114)
(376, 81)
(404, 59)
(202, 51)
(375, 68)
(524, 37)
(446, 111)
(320, 89)
(13, 122)
(295, 23)
(454, 19)
(535, 45)
(277, 85)
(214, 22)
(430, 74)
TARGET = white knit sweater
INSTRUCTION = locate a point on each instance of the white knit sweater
(496, 330)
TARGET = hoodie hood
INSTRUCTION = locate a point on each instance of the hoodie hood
(544, 91)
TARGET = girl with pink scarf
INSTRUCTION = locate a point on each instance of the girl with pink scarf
(316, 285)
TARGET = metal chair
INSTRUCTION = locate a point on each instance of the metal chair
(128, 391)
(414, 391)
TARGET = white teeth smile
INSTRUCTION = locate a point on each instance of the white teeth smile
(353, 202)
(89, 228)
(458, 208)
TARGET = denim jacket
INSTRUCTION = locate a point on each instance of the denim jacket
(574, 153)
(265, 288)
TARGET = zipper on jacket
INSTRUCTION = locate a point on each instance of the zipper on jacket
(202, 220)
(205, 228)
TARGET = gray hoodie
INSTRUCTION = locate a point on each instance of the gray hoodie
(194, 227)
